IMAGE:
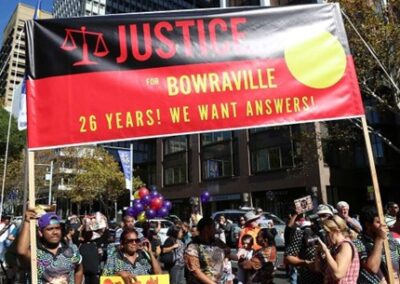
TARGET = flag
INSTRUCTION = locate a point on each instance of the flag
(125, 157)
(37, 10)
(19, 100)
(19, 105)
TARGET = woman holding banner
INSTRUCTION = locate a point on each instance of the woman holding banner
(134, 258)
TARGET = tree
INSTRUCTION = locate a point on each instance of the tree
(17, 138)
(96, 176)
(373, 28)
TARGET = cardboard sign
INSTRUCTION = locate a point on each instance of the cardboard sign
(143, 279)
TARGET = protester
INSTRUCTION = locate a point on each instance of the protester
(260, 268)
(195, 216)
(341, 258)
(70, 232)
(57, 262)
(224, 229)
(150, 231)
(172, 252)
(187, 236)
(251, 228)
(204, 256)
(194, 232)
(90, 258)
(132, 258)
(343, 209)
(292, 225)
(244, 253)
(127, 222)
(370, 248)
(6, 228)
(301, 254)
(392, 209)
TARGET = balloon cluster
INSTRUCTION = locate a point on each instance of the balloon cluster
(205, 197)
(148, 205)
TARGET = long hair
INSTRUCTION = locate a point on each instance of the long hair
(336, 223)
(268, 235)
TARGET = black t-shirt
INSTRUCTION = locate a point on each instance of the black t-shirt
(90, 258)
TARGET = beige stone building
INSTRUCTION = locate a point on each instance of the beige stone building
(12, 53)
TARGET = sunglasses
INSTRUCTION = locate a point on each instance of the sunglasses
(130, 241)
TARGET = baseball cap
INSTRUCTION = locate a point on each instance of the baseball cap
(47, 219)
(324, 209)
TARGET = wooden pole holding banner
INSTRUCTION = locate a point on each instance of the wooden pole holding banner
(32, 224)
(377, 195)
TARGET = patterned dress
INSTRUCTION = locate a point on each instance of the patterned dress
(117, 262)
(58, 268)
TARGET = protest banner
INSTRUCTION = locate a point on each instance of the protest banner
(134, 76)
(142, 279)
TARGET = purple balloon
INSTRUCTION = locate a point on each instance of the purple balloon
(146, 200)
(135, 201)
(130, 211)
(162, 212)
(138, 208)
(150, 213)
(205, 196)
(154, 194)
(167, 204)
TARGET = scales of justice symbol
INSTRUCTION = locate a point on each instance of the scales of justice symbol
(69, 44)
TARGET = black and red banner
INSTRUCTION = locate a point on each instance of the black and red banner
(130, 76)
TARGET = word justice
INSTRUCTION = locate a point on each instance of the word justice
(197, 37)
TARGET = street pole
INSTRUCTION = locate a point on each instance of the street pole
(51, 182)
(131, 167)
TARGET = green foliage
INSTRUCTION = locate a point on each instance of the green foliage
(381, 30)
(17, 138)
(96, 175)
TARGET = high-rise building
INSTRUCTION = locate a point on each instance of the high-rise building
(74, 8)
(12, 53)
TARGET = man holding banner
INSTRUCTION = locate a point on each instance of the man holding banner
(57, 262)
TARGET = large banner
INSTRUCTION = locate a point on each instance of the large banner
(130, 76)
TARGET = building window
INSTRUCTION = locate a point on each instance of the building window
(271, 149)
(176, 160)
(217, 155)
(266, 159)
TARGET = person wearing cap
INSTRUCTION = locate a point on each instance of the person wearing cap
(57, 262)
(251, 228)
(343, 209)
(301, 255)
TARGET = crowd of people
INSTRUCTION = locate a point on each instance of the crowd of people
(329, 246)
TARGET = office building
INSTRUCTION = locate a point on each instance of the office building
(12, 53)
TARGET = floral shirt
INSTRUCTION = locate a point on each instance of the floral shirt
(209, 258)
(117, 262)
(58, 268)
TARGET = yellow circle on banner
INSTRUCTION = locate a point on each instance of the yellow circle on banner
(318, 62)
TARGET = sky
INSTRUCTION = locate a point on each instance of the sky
(7, 7)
